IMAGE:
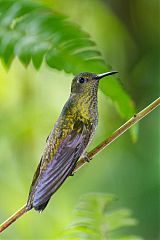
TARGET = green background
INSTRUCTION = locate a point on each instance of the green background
(126, 33)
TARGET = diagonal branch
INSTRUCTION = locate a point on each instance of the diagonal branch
(13, 218)
(132, 121)
(136, 118)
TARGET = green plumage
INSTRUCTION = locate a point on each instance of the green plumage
(68, 140)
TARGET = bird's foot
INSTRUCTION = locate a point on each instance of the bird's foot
(72, 174)
(86, 157)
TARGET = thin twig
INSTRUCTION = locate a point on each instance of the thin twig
(13, 218)
(136, 118)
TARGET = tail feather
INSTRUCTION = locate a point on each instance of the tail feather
(41, 207)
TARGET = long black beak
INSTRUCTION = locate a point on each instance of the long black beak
(102, 75)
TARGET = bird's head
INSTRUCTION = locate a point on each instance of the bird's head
(86, 82)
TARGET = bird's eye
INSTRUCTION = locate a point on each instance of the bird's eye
(81, 80)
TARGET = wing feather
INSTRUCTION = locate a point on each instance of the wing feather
(59, 168)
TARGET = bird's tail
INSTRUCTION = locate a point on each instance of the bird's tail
(41, 207)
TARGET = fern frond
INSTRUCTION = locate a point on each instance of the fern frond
(94, 220)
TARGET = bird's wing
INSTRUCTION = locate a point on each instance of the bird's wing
(61, 165)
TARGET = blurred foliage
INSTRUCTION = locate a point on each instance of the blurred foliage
(126, 33)
(32, 31)
(95, 220)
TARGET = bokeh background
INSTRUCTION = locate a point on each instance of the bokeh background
(126, 33)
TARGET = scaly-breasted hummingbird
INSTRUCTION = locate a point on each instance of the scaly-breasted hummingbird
(68, 140)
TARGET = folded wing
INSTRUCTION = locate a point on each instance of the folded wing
(59, 168)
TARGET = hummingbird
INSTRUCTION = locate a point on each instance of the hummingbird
(68, 140)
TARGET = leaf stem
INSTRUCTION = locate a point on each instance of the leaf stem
(136, 118)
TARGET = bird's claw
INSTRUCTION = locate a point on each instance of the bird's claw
(86, 157)
(72, 174)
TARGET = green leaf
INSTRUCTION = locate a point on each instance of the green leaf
(94, 219)
(31, 31)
